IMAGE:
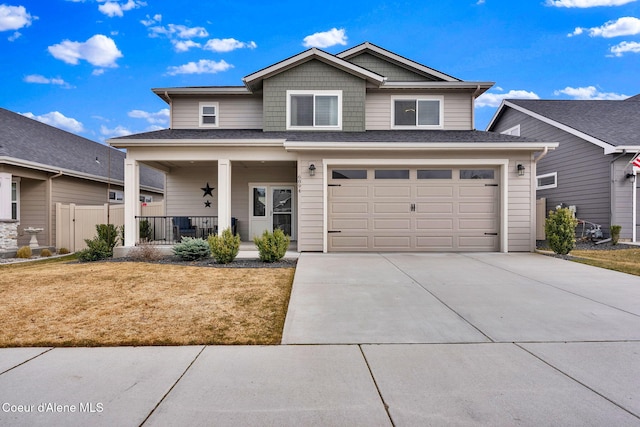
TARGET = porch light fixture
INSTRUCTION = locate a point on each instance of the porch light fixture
(632, 177)
(520, 169)
(312, 169)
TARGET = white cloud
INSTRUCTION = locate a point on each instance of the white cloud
(589, 92)
(179, 31)
(115, 132)
(160, 117)
(625, 47)
(14, 17)
(114, 8)
(184, 45)
(58, 120)
(99, 50)
(494, 99)
(204, 66)
(151, 20)
(625, 26)
(153, 128)
(227, 45)
(37, 78)
(326, 39)
(586, 3)
(480, 2)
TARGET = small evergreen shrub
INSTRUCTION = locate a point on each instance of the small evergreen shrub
(45, 252)
(145, 230)
(224, 248)
(272, 246)
(109, 234)
(63, 251)
(96, 250)
(560, 228)
(191, 249)
(615, 233)
(24, 252)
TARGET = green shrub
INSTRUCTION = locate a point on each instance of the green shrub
(145, 230)
(225, 247)
(109, 234)
(615, 233)
(272, 246)
(24, 252)
(560, 228)
(63, 251)
(191, 249)
(96, 250)
(45, 252)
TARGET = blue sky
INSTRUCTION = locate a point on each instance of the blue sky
(87, 66)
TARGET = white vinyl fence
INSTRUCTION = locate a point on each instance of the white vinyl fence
(76, 223)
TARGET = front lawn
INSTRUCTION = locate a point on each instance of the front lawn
(624, 260)
(136, 303)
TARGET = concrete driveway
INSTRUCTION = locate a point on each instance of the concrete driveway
(374, 340)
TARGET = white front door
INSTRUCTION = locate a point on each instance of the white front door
(271, 206)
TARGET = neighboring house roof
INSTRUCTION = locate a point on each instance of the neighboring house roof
(29, 143)
(612, 125)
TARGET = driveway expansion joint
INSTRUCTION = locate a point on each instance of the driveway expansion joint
(28, 360)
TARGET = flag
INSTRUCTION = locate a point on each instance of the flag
(636, 161)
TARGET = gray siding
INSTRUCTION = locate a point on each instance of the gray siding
(314, 75)
(622, 198)
(240, 112)
(583, 169)
(393, 72)
(32, 210)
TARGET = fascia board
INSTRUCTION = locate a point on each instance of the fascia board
(608, 148)
(124, 143)
(420, 146)
(484, 86)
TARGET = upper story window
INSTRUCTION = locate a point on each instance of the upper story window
(314, 110)
(515, 131)
(209, 114)
(418, 112)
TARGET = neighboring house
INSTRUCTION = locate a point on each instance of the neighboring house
(592, 168)
(361, 151)
(41, 165)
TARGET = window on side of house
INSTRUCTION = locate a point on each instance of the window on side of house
(515, 131)
(314, 110)
(209, 114)
(116, 196)
(15, 200)
(421, 113)
(548, 180)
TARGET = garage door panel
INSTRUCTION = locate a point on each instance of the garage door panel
(392, 191)
(391, 208)
(434, 208)
(478, 191)
(486, 225)
(391, 242)
(434, 224)
(391, 224)
(434, 191)
(360, 224)
(477, 208)
(348, 192)
(440, 243)
(349, 242)
(349, 208)
(475, 243)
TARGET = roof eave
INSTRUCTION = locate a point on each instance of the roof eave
(155, 142)
(419, 146)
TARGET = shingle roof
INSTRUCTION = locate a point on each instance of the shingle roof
(30, 140)
(614, 122)
(368, 136)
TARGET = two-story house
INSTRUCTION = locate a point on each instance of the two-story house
(361, 151)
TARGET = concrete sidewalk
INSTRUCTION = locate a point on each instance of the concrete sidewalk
(409, 339)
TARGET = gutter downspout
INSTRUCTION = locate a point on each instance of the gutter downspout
(612, 192)
(50, 202)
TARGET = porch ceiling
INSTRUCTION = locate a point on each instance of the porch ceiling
(241, 164)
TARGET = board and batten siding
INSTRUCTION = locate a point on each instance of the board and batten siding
(583, 169)
(314, 75)
(242, 112)
(457, 109)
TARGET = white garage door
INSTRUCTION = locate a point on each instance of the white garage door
(413, 209)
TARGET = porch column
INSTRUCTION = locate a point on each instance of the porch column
(5, 195)
(224, 194)
(131, 201)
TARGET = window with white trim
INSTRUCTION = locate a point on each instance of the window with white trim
(209, 114)
(548, 180)
(417, 112)
(15, 200)
(515, 131)
(116, 196)
(314, 109)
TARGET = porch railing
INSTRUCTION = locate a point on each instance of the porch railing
(168, 230)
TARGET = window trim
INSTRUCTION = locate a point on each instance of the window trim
(116, 193)
(440, 100)
(15, 181)
(547, 175)
(513, 131)
(337, 93)
(201, 114)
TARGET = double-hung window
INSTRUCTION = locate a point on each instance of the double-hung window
(314, 110)
(419, 112)
(209, 114)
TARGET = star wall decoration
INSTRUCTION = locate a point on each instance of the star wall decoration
(208, 191)
(207, 204)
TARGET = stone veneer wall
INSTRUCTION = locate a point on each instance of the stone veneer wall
(8, 235)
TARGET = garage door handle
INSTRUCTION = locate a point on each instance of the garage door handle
(334, 231)
(413, 207)
(490, 234)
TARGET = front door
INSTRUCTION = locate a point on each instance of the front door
(271, 206)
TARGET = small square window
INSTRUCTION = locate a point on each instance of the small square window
(209, 114)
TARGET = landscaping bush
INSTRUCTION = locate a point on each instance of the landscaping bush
(560, 228)
(145, 252)
(24, 252)
(63, 251)
(191, 249)
(272, 246)
(145, 230)
(615, 233)
(108, 233)
(45, 252)
(96, 250)
(225, 247)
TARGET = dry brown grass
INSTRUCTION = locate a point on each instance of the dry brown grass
(134, 303)
(624, 260)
